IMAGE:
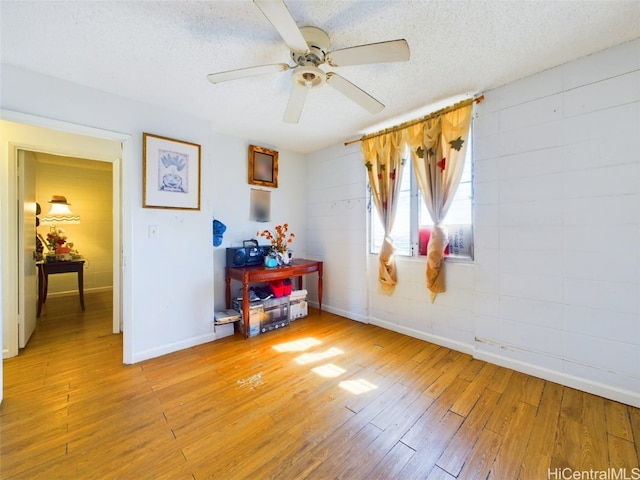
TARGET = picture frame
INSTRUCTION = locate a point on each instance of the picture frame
(263, 167)
(171, 173)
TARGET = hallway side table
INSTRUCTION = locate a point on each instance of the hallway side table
(50, 268)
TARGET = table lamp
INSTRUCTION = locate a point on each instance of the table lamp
(60, 212)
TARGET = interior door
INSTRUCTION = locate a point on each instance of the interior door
(27, 270)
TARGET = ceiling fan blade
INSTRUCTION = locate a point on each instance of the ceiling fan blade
(391, 51)
(278, 14)
(247, 72)
(295, 103)
(355, 93)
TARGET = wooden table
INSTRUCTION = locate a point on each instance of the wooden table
(260, 273)
(49, 268)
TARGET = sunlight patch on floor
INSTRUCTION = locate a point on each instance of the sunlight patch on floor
(328, 370)
(297, 345)
(314, 357)
(358, 386)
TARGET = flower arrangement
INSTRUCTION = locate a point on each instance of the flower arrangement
(56, 238)
(281, 239)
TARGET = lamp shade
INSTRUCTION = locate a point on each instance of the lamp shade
(59, 212)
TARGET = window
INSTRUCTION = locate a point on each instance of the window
(412, 225)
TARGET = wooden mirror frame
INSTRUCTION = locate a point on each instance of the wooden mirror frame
(263, 167)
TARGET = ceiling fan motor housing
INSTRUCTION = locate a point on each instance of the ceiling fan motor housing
(307, 74)
(318, 43)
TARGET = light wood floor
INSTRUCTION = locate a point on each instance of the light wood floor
(325, 398)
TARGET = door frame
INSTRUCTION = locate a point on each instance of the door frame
(121, 214)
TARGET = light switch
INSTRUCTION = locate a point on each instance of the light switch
(154, 231)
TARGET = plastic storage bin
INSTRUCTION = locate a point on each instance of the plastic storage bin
(276, 314)
(298, 307)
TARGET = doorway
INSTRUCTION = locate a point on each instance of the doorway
(24, 132)
(85, 187)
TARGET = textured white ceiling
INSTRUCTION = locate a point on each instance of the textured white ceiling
(161, 53)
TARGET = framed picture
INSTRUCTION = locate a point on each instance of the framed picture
(171, 173)
(263, 167)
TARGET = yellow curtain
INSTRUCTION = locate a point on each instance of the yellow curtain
(438, 147)
(382, 155)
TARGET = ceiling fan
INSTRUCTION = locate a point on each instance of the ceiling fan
(309, 49)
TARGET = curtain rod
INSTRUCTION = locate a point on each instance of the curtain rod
(410, 123)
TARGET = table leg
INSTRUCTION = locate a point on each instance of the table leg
(245, 307)
(46, 287)
(300, 282)
(227, 280)
(81, 285)
(42, 289)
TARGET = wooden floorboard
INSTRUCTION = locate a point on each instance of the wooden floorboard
(326, 398)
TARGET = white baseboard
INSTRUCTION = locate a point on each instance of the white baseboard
(438, 340)
(174, 347)
(342, 313)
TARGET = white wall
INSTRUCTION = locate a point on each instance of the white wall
(175, 282)
(336, 202)
(555, 287)
(558, 223)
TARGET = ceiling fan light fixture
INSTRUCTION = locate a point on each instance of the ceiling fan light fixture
(309, 76)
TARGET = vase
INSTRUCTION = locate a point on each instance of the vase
(285, 258)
